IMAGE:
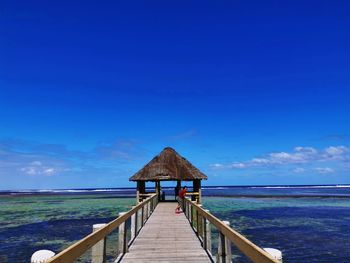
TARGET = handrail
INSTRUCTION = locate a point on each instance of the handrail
(77, 249)
(248, 248)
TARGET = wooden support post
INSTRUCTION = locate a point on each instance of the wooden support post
(138, 192)
(197, 223)
(193, 198)
(200, 224)
(139, 220)
(122, 238)
(207, 233)
(177, 188)
(98, 251)
(197, 189)
(158, 190)
(151, 206)
(224, 249)
(141, 188)
(146, 212)
(133, 225)
(190, 212)
(137, 197)
(187, 209)
(192, 215)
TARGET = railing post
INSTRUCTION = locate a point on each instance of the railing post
(139, 220)
(133, 224)
(152, 205)
(137, 197)
(142, 216)
(122, 240)
(224, 248)
(207, 233)
(199, 223)
(191, 214)
(146, 212)
(199, 196)
(98, 251)
(148, 209)
(188, 209)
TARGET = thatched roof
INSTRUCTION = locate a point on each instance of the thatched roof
(168, 166)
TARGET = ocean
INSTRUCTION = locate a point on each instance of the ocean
(307, 223)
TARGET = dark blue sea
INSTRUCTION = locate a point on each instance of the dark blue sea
(307, 223)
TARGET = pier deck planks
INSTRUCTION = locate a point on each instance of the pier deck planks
(166, 237)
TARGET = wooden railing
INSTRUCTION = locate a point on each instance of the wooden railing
(138, 214)
(200, 220)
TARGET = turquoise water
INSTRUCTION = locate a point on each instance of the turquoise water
(306, 229)
(30, 223)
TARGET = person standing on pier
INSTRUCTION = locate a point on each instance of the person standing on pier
(180, 199)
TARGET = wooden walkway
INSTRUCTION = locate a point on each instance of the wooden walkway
(166, 237)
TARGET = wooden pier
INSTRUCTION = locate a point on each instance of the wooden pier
(152, 232)
(160, 235)
(166, 237)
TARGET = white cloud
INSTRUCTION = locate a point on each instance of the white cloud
(217, 165)
(49, 171)
(29, 170)
(337, 153)
(37, 168)
(299, 170)
(299, 155)
(260, 161)
(332, 150)
(324, 170)
(283, 157)
(238, 165)
(309, 150)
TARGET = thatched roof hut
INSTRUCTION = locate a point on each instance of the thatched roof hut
(168, 166)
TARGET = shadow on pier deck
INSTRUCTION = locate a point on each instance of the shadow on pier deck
(166, 237)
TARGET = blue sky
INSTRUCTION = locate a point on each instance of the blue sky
(250, 92)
